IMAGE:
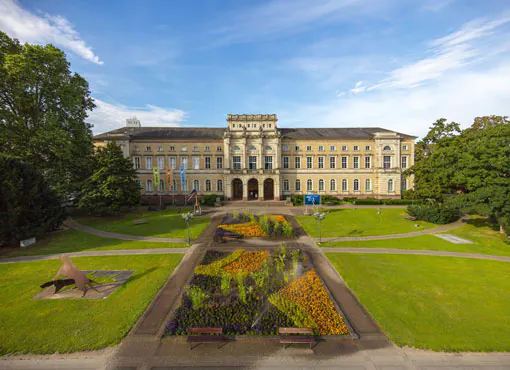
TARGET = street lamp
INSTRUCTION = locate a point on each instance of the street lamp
(319, 217)
(187, 218)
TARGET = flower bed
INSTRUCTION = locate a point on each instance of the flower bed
(246, 229)
(243, 225)
(255, 293)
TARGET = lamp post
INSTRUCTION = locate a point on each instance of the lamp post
(319, 217)
(187, 218)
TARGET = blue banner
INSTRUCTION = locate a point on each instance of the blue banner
(183, 176)
(312, 199)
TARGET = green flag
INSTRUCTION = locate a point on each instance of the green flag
(155, 172)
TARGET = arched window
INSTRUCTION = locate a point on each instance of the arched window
(298, 185)
(219, 185)
(344, 185)
(387, 148)
(207, 185)
(321, 185)
(161, 186)
(149, 186)
(332, 185)
(251, 147)
(267, 147)
(285, 185)
(356, 185)
(309, 185)
(236, 148)
(368, 185)
(196, 185)
(390, 185)
(404, 184)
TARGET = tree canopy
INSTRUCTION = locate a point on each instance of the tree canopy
(43, 107)
(112, 183)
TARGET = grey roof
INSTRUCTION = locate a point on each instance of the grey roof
(360, 133)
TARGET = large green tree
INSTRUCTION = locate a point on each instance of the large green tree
(43, 107)
(112, 183)
(28, 206)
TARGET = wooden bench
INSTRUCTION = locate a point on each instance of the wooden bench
(295, 336)
(411, 218)
(214, 335)
(140, 221)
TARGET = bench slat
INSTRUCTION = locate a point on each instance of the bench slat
(289, 340)
(205, 330)
(295, 331)
(207, 339)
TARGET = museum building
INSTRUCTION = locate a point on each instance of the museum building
(253, 159)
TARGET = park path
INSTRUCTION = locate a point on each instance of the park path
(434, 230)
(90, 230)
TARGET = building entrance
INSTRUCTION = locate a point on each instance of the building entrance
(253, 189)
(237, 189)
(268, 189)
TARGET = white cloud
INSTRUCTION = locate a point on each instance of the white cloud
(359, 88)
(449, 53)
(28, 27)
(107, 116)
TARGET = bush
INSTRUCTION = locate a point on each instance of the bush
(210, 199)
(28, 206)
(330, 199)
(349, 199)
(368, 202)
(395, 202)
(297, 200)
(437, 214)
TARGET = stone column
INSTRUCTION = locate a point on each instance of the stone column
(261, 189)
(245, 189)
(226, 153)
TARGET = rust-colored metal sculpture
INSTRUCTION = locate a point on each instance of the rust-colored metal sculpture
(74, 275)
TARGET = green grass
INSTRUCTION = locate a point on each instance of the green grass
(362, 222)
(486, 241)
(76, 241)
(68, 325)
(438, 303)
(164, 224)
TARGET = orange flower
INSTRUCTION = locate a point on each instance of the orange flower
(247, 263)
(247, 229)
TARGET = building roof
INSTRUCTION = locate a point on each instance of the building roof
(349, 133)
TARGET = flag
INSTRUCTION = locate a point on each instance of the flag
(155, 173)
(169, 177)
(193, 192)
(183, 176)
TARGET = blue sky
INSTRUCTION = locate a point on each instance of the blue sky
(317, 63)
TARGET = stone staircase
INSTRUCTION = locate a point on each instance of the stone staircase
(254, 203)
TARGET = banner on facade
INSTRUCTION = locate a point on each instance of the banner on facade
(312, 199)
(183, 176)
(170, 177)
(155, 173)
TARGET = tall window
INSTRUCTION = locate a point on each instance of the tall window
(332, 162)
(356, 185)
(332, 185)
(368, 185)
(404, 184)
(148, 163)
(367, 162)
(298, 185)
(207, 162)
(344, 185)
(355, 162)
(161, 186)
(172, 162)
(285, 185)
(344, 162)
(161, 163)
(309, 162)
(149, 186)
(252, 162)
(184, 162)
(309, 185)
(236, 162)
(184, 186)
(390, 186)
(137, 163)
(404, 162)
(207, 185)
(196, 185)
(321, 185)
(219, 185)
(321, 162)
(268, 162)
(387, 161)
(285, 162)
(196, 163)
(219, 162)
(297, 162)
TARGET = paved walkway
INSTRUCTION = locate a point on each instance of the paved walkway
(433, 230)
(90, 230)
(417, 252)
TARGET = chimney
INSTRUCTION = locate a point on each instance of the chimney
(133, 122)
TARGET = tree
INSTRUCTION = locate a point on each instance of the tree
(436, 161)
(484, 169)
(43, 107)
(28, 206)
(112, 183)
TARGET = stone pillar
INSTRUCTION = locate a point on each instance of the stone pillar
(261, 189)
(226, 153)
(245, 189)
(276, 189)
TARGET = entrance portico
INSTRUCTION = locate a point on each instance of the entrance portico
(253, 188)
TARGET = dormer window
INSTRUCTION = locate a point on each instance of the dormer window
(387, 148)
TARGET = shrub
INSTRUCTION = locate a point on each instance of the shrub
(210, 199)
(437, 214)
(401, 201)
(197, 296)
(297, 200)
(330, 199)
(28, 206)
(287, 229)
(349, 199)
(368, 201)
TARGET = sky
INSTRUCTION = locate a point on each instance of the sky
(397, 64)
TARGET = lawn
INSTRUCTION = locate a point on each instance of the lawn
(164, 224)
(76, 241)
(486, 241)
(438, 303)
(49, 326)
(362, 222)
